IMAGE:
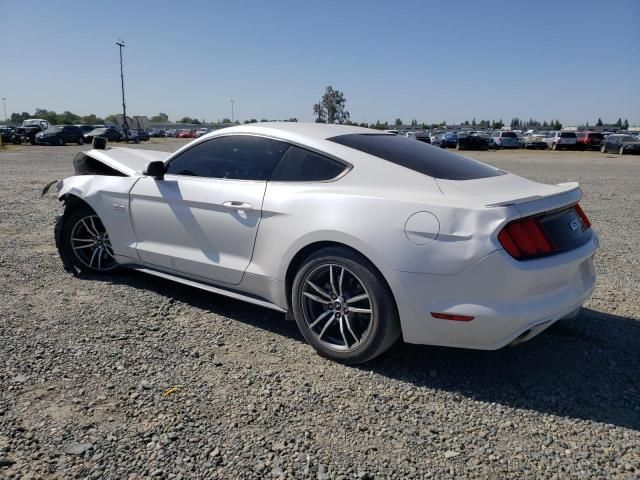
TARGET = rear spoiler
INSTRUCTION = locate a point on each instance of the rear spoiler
(564, 188)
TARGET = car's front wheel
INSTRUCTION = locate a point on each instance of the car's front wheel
(343, 306)
(85, 242)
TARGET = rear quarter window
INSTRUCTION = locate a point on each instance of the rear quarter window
(301, 165)
(418, 156)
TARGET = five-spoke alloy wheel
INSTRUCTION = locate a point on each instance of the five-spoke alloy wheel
(343, 306)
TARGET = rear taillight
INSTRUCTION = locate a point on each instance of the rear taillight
(526, 238)
(583, 216)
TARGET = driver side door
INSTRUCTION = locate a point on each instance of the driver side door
(202, 218)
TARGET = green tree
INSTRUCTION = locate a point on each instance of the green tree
(599, 123)
(414, 123)
(18, 118)
(160, 118)
(398, 122)
(625, 124)
(226, 120)
(48, 115)
(293, 119)
(68, 118)
(331, 107)
(619, 123)
(111, 119)
(264, 120)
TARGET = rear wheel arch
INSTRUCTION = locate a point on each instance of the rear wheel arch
(305, 252)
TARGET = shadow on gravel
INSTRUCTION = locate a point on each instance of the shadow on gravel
(583, 368)
(586, 368)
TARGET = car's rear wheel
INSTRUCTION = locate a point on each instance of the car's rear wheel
(61, 142)
(85, 242)
(343, 306)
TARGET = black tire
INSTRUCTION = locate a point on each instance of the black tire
(61, 142)
(81, 141)
(379, 329)
(82, 257)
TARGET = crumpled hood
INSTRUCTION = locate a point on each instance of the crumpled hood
(128, 161)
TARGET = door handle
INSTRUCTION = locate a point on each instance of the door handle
(237, 205)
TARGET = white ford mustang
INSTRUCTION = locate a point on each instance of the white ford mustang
(363, 236)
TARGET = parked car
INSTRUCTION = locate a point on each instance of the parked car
(186, 133)
(472, 141)
(87, 128)
(621, 144)
(60, 134)
(29, 129)
(201, 131)
(506, 139)
(419, 135)
(157, 133)
(236, 213)
(7, 133)
(171, 132)
(534, 141)
(589, 140)
(111, 133)
(446, 140)
(143, 135)
(561, 140)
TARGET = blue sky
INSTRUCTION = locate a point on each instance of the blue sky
(432, 61)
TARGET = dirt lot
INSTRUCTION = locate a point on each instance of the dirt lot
(84, 363)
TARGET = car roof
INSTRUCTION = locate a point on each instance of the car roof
(318, 131)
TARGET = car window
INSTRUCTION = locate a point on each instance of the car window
(301, 165)
(239, 157)
(418, 156)
(567, 135)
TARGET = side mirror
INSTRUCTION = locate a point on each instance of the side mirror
(155, 170)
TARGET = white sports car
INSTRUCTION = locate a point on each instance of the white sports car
(362, 236)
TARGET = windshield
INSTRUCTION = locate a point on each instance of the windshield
(567, 135)
(509, 134)
(53, 130)
(29, 123)
(418, 156)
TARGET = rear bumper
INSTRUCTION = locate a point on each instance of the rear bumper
(507, 298)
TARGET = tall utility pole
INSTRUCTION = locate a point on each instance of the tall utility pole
(232, 102)
(4, 101)
(120, 44)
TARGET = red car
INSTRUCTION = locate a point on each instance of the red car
(186, 133)
(588, 140)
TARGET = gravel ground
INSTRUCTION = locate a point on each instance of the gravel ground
(86, 365)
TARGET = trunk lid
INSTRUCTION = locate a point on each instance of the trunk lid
(527, 196)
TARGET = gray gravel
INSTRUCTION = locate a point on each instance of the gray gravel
(132, 376)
